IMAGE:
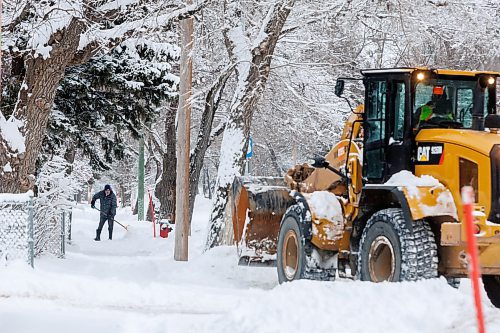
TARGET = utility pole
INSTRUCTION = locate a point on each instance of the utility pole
(140, 187)
(183, 141)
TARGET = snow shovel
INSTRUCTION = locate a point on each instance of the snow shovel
(124, 227)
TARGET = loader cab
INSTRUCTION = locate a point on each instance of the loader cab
(400, 102)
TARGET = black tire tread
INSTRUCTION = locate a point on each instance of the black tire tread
(418, 247)
(491, 285)
(310, 270)
(453, 282)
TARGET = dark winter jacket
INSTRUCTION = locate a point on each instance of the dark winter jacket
(108, 203)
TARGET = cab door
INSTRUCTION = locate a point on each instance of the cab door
(375, 124)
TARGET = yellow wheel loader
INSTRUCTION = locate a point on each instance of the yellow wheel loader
(384, 204)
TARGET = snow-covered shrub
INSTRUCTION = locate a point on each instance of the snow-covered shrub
(56, 187)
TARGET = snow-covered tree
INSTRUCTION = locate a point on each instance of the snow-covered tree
(116, 94)
(252, 57)
(44, 38)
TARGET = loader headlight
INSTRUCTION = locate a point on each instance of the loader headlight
(491, 80)
(420, 76)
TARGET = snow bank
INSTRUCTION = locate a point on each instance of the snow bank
(313, 306)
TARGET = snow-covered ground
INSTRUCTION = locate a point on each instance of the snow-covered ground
(132, 284)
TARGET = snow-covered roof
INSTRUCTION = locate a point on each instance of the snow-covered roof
(437, 71)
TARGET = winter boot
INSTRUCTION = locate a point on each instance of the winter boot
(97, 235)
(110, 234)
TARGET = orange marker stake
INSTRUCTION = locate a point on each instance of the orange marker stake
(467, 200)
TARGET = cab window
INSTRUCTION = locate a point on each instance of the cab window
(399, 110)
(464, 106)
(376, 112)
(438, 102)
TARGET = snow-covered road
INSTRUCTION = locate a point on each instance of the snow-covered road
(132, 284)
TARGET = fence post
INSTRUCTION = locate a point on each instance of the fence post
(30, 233)
(63, 234)
(69, 224)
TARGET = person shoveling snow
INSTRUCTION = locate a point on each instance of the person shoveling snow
(108, 210)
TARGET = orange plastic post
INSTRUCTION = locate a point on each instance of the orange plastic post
(152, 213)
(467, 200)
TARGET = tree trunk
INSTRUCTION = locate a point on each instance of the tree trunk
(165, 188)
(252, 80)
(123, 195)
(274, 160)
(212, 101)
(69, 156)
(152, 158)
(35, 101)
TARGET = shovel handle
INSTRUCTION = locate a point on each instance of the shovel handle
(124, 227)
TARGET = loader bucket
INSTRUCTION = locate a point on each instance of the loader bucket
(258, 203)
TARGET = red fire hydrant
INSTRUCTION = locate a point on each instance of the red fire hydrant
(165, 228)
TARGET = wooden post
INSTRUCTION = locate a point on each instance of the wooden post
(183, 141)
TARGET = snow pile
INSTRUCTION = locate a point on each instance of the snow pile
(444, 205)
(412, 183)
(408, 179)
(324, 205)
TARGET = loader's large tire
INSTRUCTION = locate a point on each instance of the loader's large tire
(291, 254)
(297, 257)
(453, 282)
(492, 287)
(389, 251)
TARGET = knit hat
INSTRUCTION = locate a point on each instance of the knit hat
(107, 187)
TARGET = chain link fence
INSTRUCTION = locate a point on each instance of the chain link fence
(28, 228)
(52, 228)
(16, 228)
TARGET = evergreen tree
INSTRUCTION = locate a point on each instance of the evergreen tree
(102, 102)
